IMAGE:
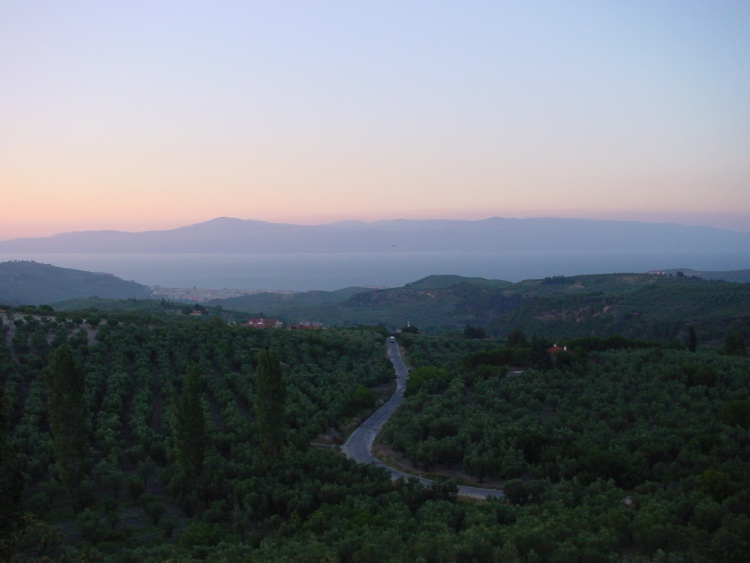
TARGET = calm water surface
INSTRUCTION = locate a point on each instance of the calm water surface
(302, 272)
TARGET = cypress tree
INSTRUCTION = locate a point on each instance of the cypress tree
(538, 355)
(11, 484)
(189, 425)
(269, 404)
(68, 420)
(692, 340)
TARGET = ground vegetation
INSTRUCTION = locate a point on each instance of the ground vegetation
(625, 449)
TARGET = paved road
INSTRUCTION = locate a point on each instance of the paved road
(359, 445)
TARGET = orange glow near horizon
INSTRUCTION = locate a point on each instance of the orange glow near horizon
(55, 225)
(493, 109)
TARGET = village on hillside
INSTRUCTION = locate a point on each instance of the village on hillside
(201, 295)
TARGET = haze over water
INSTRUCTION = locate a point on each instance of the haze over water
(302, 272)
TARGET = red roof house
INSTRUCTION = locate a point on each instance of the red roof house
(263, 323)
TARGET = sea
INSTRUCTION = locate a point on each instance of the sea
(304, 272)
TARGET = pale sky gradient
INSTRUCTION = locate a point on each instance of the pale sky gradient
(147, 114)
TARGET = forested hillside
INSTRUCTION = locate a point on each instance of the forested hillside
(661, 307)
(197, 440)
(573, 434)
(151, 476)
(651, 306)
(31, 283)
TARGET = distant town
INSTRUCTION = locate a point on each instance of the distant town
(200, 295)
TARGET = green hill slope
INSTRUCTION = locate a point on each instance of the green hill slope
(647, 306)
(640, 306)
(31, 283)
(650, 306)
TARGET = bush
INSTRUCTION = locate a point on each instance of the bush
(699, 374)
(516, 492)
(91, 525)
(424, 376)
(201, 534)
(736, 413)
(135, 488)
(155, 510)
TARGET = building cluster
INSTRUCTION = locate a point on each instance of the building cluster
(276, 323)
(199, 295)
(263, 323)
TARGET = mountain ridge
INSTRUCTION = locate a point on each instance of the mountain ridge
(494, 234)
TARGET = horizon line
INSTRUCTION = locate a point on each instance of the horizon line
(374, 221)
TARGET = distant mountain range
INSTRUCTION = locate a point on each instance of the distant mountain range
(227, 235)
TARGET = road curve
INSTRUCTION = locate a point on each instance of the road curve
(359, 444)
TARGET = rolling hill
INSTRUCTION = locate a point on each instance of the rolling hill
(653, 306)
(31, 283)
(646, 306)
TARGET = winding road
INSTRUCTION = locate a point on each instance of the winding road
(359, 444)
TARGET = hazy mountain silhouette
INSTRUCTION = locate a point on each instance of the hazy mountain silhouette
(227, 235)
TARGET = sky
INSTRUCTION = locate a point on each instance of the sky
(144, 114)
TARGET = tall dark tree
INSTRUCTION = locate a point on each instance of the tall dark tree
(692, 339)
(539, 357)
(68, 420)
(270, 395)
(11, 484)
(189, 424)
(517, 338)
